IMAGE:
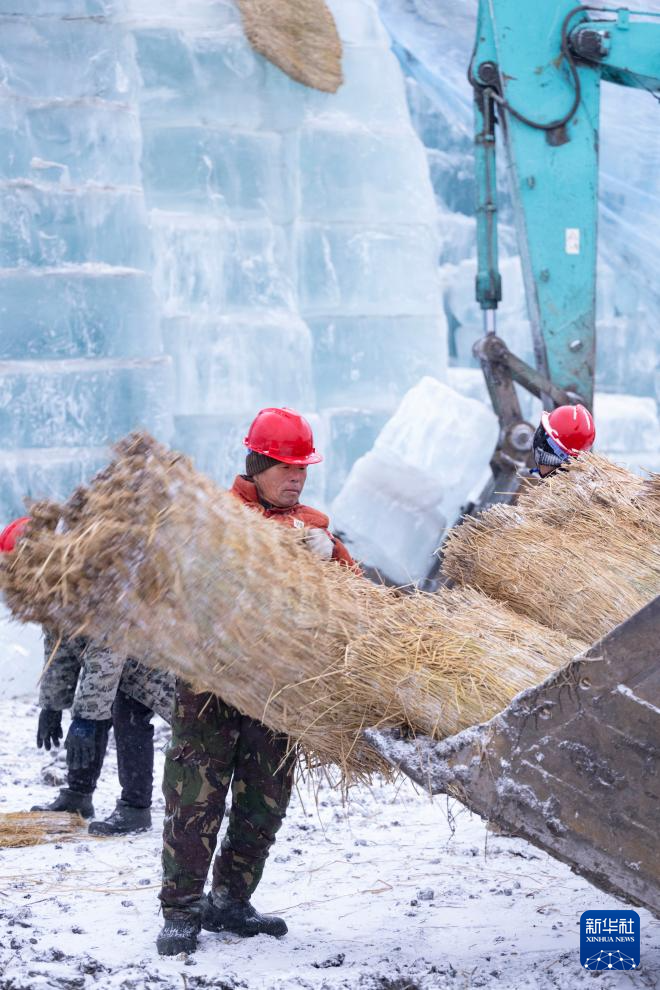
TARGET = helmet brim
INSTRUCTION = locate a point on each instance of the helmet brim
(300, 461)
(313, 458)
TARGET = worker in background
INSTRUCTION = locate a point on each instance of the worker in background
(103, 691)
(214, 745)
(564, 433)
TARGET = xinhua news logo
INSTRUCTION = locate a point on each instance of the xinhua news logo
(609, 940)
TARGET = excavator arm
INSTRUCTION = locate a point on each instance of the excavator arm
(536, 73)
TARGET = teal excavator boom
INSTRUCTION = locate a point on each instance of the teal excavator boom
(536, 73)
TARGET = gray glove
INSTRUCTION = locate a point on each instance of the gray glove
(49, 729)
(318, 541)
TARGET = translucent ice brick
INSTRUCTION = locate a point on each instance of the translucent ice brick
(239, 363)
(358, 173)
(220, 265)
(400, 497)
(70, 143)
(41, 225)
(373, 360)
(66, 57)
(367, 269)
(216, 170)
(79, 311)
(210, 77)
(83, 402)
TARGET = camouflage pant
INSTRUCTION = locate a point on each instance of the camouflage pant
(211, 743)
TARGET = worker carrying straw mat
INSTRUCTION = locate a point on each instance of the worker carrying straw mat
(579, 551)
(161, 564)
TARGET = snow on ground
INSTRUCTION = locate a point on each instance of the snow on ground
(391, 893)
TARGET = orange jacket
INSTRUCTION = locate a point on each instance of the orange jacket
(296, 517)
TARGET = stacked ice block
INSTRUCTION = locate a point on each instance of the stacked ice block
(294, 235)
(161, 183)
(81, 358)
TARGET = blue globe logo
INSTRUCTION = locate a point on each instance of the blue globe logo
(610, 960)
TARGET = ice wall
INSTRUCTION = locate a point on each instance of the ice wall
(188, 235)
(81, 356)
(294, 234)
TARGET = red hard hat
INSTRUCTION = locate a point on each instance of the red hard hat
(284, 435)
(571, 427)
(11, 533)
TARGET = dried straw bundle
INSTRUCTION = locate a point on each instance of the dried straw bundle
(579, 552)
(299, 37)
(157, 561)
(447, 661)
(33, 828)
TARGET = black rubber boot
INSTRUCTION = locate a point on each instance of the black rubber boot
(75, 802)
(223, 913)
(124, 819)
(179, 933)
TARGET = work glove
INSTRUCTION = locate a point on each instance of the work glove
(318, 541)
(49, 729)
(81, 744)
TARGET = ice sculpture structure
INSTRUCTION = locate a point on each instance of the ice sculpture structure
(188, 235)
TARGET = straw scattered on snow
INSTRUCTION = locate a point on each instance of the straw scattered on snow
(33, 828)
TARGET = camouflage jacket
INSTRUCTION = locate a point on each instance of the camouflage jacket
(86, 678)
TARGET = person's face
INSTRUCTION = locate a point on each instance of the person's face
(281, 484)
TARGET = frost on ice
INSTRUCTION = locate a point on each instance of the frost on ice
(403, 494)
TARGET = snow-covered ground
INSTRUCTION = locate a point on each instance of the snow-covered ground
(394, 892)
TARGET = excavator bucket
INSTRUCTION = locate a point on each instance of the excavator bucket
(572, 765)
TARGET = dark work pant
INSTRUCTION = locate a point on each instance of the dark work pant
(86, 780)
(214, 747)
(134, 739)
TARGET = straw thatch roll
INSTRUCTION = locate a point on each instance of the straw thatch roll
(159, 563)
(579, 552)
(299, 37)
(454, 659)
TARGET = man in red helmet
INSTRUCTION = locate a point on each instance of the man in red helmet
(215, 746)
(562, 434)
